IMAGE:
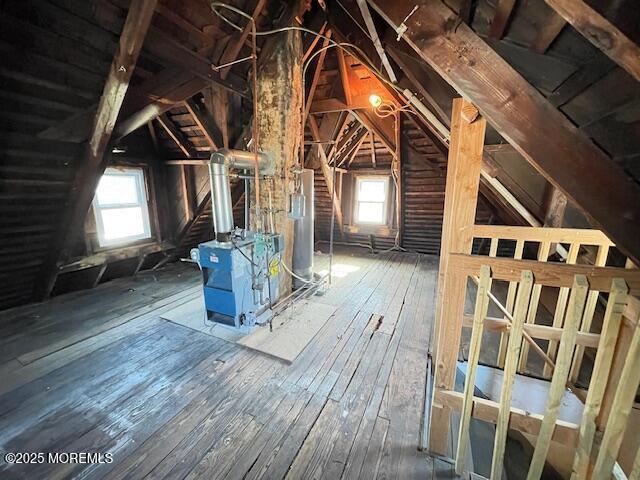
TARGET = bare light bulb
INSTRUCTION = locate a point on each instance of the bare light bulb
(375, 100)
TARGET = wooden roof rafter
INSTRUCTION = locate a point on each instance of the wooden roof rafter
(525, 119)
(93, 162)
(600, 32)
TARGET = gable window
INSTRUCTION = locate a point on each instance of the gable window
(371, 200)
(120, 207)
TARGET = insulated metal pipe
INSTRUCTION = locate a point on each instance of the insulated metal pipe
(220, 163)
(303, 233)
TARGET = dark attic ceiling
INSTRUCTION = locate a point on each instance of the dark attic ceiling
(57, 61)
(569, 76)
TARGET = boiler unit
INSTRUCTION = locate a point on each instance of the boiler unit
(241, 278)
(241, 269)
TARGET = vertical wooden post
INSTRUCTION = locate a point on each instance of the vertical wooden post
(620, 410)
(479, 314)
(397, 162)
(510, 367)
(601, 370)
(543, 255)
(561, 306)
(511, 298)
(560, 376)
(461, 196)
(587, 318)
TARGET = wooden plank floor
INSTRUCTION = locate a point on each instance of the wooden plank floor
(100, 371)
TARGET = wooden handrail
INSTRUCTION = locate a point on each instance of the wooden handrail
(547, 274)
(546, 234)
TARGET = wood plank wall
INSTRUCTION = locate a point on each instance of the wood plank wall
(423, 183)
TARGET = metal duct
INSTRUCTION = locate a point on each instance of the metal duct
(219, 165)
(303, 233)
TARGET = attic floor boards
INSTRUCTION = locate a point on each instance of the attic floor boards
(100, 371)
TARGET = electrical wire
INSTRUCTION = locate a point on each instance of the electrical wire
(303, 280)
(345, 46)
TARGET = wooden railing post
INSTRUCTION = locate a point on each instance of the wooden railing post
(461, 195)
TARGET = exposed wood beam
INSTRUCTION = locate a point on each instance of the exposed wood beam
(314, 42)
(344, 119)
(548, 33)
(326, 171)
(124, 253)
(150, 99)
(504, 8)
(316, 77)
(216, 102)
(421, 81)
(160, 93)
(198, 64)
(591, 180)
(231, 53)
(460, 203)
(205, 123)
(373, 33)
(92, 164)
(355, 141)
(153, 107)
(176, 135)
(466, 10)
(354, 153)
(600, 32)
(384, 136)
(373, 149)
(344, 77)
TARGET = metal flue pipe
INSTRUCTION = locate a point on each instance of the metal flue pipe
(220, 163)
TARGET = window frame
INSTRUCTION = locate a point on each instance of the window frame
(143, 203)
(385, 204)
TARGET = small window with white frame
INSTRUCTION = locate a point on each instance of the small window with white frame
(371, 200)
(120, 207)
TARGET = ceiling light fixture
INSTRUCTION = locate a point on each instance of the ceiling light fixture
(375, 100)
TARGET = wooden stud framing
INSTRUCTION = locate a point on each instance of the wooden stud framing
(620, 410)
(543, 254)
(521, 420)
(542, 332)
(601, 371)
(535, 234)
(480, 312)
(547, 274)
(560, 376)
(589, 311)
(510, 366)
(511, 297)
(561, 306)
